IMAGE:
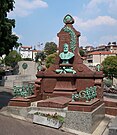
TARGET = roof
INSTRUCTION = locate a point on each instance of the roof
(89, 46)
(101, 46)
(112, 45)
(26, 47)
(36, 51)
(101, 52)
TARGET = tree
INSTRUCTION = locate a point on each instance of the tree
(50, 59)
(82, 52)
(12, 59)
(50, 48)
(110, 66)
(8, 40)
(40, 55)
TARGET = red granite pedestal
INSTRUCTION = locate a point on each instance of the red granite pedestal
(84, 106)
(20, 102)
(26, 101)
(110, 106)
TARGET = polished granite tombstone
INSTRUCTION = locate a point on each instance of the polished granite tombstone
(110, 100)
(74, 76)
(68, 76)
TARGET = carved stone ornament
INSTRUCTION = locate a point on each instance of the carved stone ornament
(68, 19)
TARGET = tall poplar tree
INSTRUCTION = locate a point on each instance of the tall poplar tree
(8, 40)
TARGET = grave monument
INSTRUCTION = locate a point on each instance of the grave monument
(69, 77)
(69, 83)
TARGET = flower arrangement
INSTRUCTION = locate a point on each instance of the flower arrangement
(54, 116)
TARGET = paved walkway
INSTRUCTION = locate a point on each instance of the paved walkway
(11, 126)
(5, 96)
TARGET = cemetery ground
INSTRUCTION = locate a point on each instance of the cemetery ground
(12, 126)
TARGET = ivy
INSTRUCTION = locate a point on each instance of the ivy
(72, 36)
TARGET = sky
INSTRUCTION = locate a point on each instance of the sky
(39, 21)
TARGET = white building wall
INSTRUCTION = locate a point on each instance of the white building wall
(98, 59)
(26, 54)
(34, 55)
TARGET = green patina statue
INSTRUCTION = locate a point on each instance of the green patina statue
(98, 67)
(66, 70)
(88, 94)
(23, 91)
(65, 56)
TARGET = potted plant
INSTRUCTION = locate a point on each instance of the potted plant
(51, 120)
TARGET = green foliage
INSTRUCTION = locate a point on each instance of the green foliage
(50, 59)
(110, 66)
(12, 58)
(5, 6)
(51, 116)
(108, 82)
(2, 72)
(50, 48)
(40, 55)
(7, 39)
(82, 53)
(23, 91)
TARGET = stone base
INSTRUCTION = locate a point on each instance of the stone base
(111, 111)
(42, 120)
(84, 106)
(57, 94)
(56, 102)
(34, 98)
(110, 106)
(26, 113)
(113, 127)
(63, 93)
(18, 80)
(84, 121)
(22, 102)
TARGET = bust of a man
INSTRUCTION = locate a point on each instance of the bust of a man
(66, 55)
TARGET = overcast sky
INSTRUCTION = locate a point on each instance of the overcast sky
(39, 21)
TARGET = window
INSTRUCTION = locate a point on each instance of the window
(90, 61)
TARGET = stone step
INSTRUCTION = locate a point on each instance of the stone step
(110, 102)
(34, 104)
(110, 106)
(47, 110)
(111, 111)
(55, 102)
(84, 106)
(20, 102)
(66, 94)
(113, 127)
(66, 89)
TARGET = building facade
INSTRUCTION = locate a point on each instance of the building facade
(28, 52)
(98, 57)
